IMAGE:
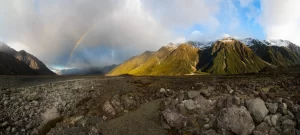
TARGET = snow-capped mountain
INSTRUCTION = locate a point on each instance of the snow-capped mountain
(278, 42)
(201, 45)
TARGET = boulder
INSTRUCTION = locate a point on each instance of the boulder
(262, 129)
(200, 103)
(235, 119)
(128, 102)
(257, 109)
(116, 102)
(108, 108)
(174, 119)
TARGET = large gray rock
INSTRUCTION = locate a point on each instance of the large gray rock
(257, 109)
(235, 119)
(174, 119)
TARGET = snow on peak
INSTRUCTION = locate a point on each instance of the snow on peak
(171, 46)
(278, 42)
(228, 39)
(201, 45)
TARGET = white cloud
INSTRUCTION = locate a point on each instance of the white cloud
(52, 28)
(281, 19)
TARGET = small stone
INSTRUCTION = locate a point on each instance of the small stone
(279, 100)
(4, 124)
(272, 107)
(104, 117)
(23, 130)
(162, 90)
(282, 108)
(8, 129)
(261, 129)
(5, 103)
(190, 104)
(26, 107)
(267, 120)
(206, 126)
(288, 124)
(13, 129)
(289, 131)
(273, 131)
(274, 119)
(291, 115)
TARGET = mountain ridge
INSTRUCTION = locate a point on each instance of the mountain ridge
(225, 56)
(34, 63)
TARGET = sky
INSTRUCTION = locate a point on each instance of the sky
(89, 33)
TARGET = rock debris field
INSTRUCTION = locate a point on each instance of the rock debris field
(188, 105)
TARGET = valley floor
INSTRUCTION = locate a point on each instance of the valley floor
(58, 105)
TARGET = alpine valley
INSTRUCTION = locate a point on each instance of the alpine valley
(225, 56)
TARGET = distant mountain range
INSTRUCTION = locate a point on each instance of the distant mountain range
(86, 71)
(20, 63)
(225, 56)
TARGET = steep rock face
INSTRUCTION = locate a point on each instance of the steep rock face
(30, 60)
(9, 65)
(229, 56)
(33, 63)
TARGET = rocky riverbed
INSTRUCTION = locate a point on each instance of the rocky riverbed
(207, 105)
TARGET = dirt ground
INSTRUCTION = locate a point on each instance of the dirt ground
(78, 101)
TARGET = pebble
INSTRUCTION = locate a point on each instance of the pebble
(206, 126)
(4, 124)
(5, 103)
(8, 129)
(13, 130)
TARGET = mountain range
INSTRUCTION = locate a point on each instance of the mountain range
(225, 56)
(20, 63)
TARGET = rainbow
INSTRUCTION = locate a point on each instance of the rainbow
(79, 41)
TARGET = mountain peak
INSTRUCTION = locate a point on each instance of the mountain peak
(228, 39)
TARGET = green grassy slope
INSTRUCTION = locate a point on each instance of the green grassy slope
(276, 55)
(229, 58)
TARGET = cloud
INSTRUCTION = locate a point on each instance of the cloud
(281, 19)
(50, 29)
